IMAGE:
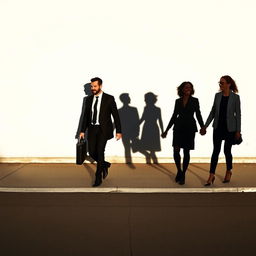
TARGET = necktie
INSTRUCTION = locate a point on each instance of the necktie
(94, 118)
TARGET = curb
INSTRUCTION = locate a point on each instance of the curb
(128, 190)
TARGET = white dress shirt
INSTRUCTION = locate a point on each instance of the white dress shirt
(98, 107)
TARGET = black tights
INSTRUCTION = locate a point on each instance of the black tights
(217, 140)
(177, 158)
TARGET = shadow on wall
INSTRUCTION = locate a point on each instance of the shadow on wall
(87, 91)
(149, 143)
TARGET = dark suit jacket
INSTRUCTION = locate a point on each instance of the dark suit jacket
(107, 109)
(183, 117)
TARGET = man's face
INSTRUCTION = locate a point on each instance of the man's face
(95, 88)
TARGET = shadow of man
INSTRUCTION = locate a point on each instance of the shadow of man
(130, 127)
(150, 137)
(87, 91)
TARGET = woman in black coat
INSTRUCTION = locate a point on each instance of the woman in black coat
(184, 127)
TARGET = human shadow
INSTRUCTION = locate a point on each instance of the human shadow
(150, 136)
(87, 91)
(202, 181)
(20, 166)
(130, 128)
(90, 170)
(205, 170)
(164, 170)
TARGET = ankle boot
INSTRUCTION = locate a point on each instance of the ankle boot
(182, 178)
(178, 176)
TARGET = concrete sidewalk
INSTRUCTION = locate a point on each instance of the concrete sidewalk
(124, 178)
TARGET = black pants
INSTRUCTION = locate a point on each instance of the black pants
(96, 145)
(217, 140)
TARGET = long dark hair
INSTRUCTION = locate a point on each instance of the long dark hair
(230, 80)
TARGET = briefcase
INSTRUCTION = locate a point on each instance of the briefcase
(80, 151)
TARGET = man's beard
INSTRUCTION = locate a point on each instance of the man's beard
(94, 92)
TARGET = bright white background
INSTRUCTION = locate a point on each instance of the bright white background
(50, 48)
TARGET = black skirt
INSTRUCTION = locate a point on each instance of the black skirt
(183, 139)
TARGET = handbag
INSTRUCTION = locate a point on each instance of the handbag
(81, 151)
(237, 141)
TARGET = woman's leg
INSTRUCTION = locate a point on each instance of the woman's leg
(176, 156)
(215, 156)
(216, 150)
(229, 160)
(186, 159)
(228, 154)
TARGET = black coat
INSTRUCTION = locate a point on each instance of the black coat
(107, 108)
(183, 117)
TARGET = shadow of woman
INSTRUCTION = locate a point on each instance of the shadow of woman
(150, 137)
(205, 170)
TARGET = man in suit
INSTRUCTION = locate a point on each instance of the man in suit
(97, 118)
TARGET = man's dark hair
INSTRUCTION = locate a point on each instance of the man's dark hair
(97, 79)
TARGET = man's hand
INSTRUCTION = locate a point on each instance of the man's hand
(118, 136)
(81, 135)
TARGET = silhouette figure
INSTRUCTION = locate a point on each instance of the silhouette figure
(185, 127)
(130, 127)
(87, 91)
(150, 137)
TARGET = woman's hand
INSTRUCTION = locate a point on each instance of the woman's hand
(164, 134)
(203, 130)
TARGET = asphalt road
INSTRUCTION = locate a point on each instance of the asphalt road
(127, 224)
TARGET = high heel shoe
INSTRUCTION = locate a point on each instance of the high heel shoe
(210, 181)
(227, 177)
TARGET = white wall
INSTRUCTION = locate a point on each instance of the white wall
(50, 48)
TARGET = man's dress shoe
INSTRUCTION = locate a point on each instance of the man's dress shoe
(105, 170)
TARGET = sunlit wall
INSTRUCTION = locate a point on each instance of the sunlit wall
(51, 48)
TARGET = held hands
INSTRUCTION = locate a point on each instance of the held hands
(164, 134)
(203, 130)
